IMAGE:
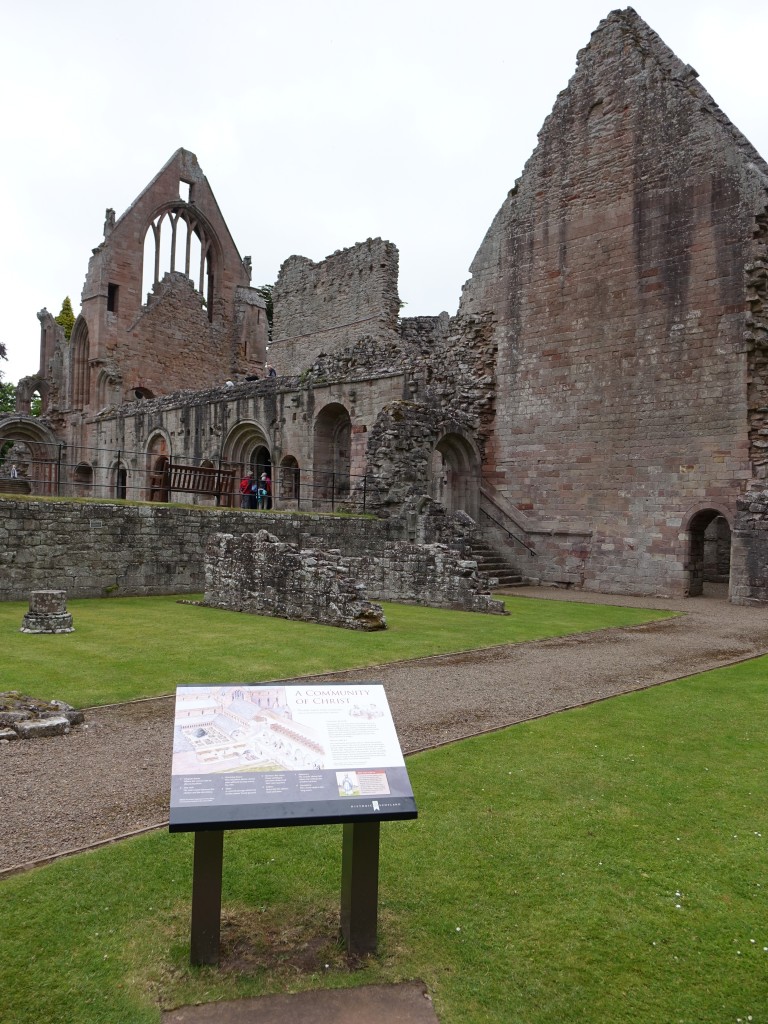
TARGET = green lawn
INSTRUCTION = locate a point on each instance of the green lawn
(603, 865)
(130, 647)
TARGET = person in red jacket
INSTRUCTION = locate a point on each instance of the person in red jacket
(246, 488)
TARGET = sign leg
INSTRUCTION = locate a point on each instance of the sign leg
(360, 886)
(206, 897)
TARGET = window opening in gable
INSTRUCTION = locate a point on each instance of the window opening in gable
(176, 243)
(112, 290)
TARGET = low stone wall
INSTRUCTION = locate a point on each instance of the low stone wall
(257, 573)
(430, 574)
(749, 549)
(97, 550)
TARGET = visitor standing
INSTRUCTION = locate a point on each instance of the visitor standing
(246, 491)
(266, 484)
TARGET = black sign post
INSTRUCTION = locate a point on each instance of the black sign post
(206, 897)
(360, 887)
(249, 756)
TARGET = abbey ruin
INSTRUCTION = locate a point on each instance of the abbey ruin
(598, 405)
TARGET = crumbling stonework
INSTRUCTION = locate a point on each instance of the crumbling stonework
(615, 272)
(257, 573)
(260, 574)
(103, 550)
(749, 552)
(350, 293)
(27, 718)
(426, 574)
(198, 320)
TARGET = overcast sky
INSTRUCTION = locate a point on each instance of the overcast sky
(319, 123)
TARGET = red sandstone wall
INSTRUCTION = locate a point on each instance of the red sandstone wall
(176, 341)
(615, 270)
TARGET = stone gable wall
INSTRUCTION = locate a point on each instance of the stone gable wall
(615, 275)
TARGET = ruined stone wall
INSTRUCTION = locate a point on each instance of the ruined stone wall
(176, 336)
(615, 275)
(259, 574)
(97, 550)
(749, 548)
(229, 422)
(756, 343)
(323, 307)
(432, 574)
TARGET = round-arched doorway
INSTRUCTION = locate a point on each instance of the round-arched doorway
(455, 475)
(708, 565)
(333, 455)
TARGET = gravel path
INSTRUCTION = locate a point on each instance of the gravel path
(113, 777)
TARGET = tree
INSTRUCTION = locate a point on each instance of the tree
(265, 291)
(7, 396)
(66, 317)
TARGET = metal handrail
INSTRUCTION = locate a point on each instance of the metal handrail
(518, 540)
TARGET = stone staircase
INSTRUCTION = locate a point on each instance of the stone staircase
(491, 562)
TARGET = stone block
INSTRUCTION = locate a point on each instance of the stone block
(38, 728)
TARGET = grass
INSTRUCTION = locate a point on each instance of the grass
(606, 864)
(135, 503)
(124, 648)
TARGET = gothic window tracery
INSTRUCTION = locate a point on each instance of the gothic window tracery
(177, 242)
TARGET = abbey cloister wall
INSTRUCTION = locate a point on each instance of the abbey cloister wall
(101, 550)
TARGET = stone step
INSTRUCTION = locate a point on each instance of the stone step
(494, 565)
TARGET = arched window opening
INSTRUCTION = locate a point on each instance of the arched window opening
(80, 380)
(83, 479)
(290, 480)
(158, 456)
(32, 395)
(176, 242)
(333, 439)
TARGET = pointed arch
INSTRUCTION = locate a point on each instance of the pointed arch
(178, 240)
(80, 370)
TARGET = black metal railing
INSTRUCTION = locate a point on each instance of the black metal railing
(60, 470)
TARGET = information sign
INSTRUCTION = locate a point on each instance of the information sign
(247, 756)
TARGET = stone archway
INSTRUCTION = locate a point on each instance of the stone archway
(158, 456)
(247, 448)
(38, 456)
(455, 475)
(708, 540)
(332, 455)
(288, 485)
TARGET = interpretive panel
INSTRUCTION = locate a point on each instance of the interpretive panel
(246, 756)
